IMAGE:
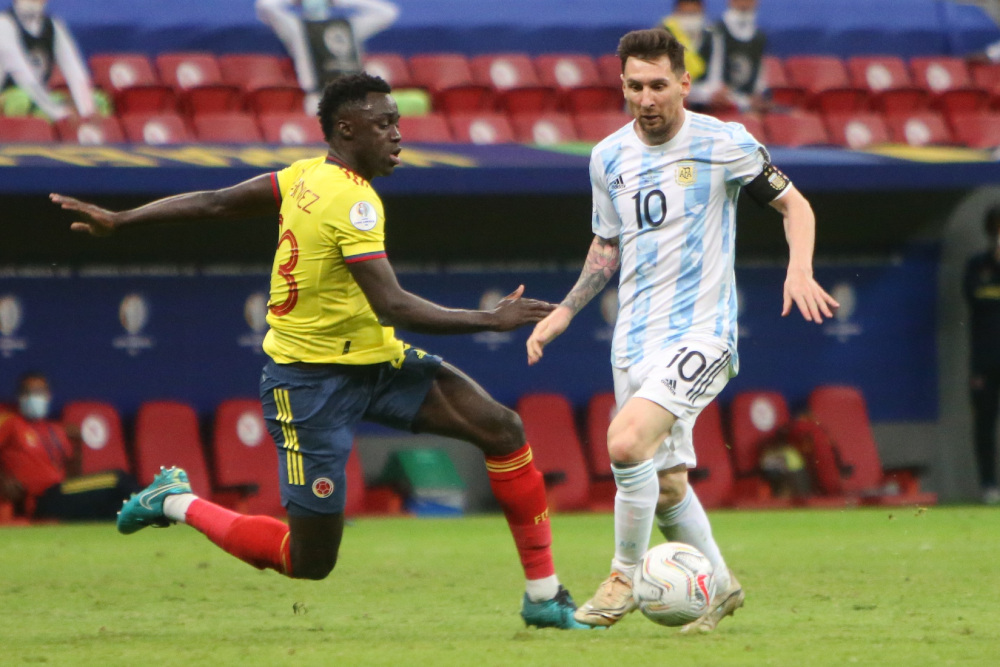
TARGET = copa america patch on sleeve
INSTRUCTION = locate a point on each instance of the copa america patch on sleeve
(364, 216)
(770, 183)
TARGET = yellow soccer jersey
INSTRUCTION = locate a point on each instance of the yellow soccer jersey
(330, 217)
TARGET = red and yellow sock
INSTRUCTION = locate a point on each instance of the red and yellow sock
(261, 541)
(520, 489)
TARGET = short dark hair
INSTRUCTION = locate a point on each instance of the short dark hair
(697, 2)
(650, 45)
(345, 90)
(992, 223)
(29, 375)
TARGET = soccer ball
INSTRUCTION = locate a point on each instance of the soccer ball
(673, 584)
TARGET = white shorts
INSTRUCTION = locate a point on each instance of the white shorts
(683, 379)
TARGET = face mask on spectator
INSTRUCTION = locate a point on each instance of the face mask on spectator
(741, 23)
(691, 24)
(29, 10)
(34, 406)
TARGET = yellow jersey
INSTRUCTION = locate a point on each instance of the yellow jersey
(330, 217)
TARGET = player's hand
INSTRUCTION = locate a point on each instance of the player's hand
(812, 300)
(546, 331)
(97, 221)
(512, 311)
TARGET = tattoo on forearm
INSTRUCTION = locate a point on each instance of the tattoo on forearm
(601, 263)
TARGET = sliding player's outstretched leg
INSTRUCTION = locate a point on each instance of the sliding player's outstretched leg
(307, 549)
(458, 407)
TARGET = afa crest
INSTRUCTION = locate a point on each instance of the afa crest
(686, 174)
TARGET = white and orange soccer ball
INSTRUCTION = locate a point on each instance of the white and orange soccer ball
(673, 584)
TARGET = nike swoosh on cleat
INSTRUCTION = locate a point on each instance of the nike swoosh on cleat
(160, 491)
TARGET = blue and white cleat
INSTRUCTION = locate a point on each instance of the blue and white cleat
(146, 507)
(554, 613)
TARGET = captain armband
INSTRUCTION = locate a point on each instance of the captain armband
(768, 185)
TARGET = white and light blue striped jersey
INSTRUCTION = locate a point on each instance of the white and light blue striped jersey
(673, 209)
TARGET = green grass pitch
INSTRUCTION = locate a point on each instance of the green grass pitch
(896, 586)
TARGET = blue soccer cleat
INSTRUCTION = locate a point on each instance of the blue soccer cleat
(146, 507)
(554, 613)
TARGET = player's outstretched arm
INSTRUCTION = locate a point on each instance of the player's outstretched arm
(399, 308)
(602, 261)
(801, 288)
(247, 199)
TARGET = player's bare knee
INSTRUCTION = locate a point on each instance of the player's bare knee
(505, 435)
(624, 446)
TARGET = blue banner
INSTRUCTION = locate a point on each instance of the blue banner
(129, 336)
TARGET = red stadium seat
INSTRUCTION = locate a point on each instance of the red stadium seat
(132, 82)
(579, 83)
(448, 77)
(167, 434)
(432, 129)
(364, 499)
(90, 132)
(229, 128)
(752, 123)
(975, 129)
(155, 129)
(795, 129)
(197, 79)
(250, 71)
(290, 128)
(244, 454)
(888, 82)
(595, 126)
(919, 128)
(842, 413)
(755, 417)
(263, 82)
(550, 427)
(543, 129)
(600, 411)
(712, 479)
(609, 68)
(26, 130)
(481, 128)
(390, 67)
(515, 84)
(783, 92)
(857, 130)
(825, 82)
(100, 430)
(948, 82)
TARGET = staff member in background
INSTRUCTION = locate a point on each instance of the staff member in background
(32, 43)
(981, 288)
(325, 38)
(735, 76)
(40, 465)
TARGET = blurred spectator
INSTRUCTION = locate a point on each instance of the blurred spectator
(982, 292)
(325, 37)
(735, 75)
(39, 464)
(32, 43)
(688, 26)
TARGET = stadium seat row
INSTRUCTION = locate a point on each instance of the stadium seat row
(843, 457)
(199, 82)
(850, 129)
(887, 84)
(238, 470)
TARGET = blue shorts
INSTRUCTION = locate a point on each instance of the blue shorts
(311, 413)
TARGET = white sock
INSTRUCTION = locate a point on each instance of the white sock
(175, 507)
(687, 522)
(635, 505)
(542, 589)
